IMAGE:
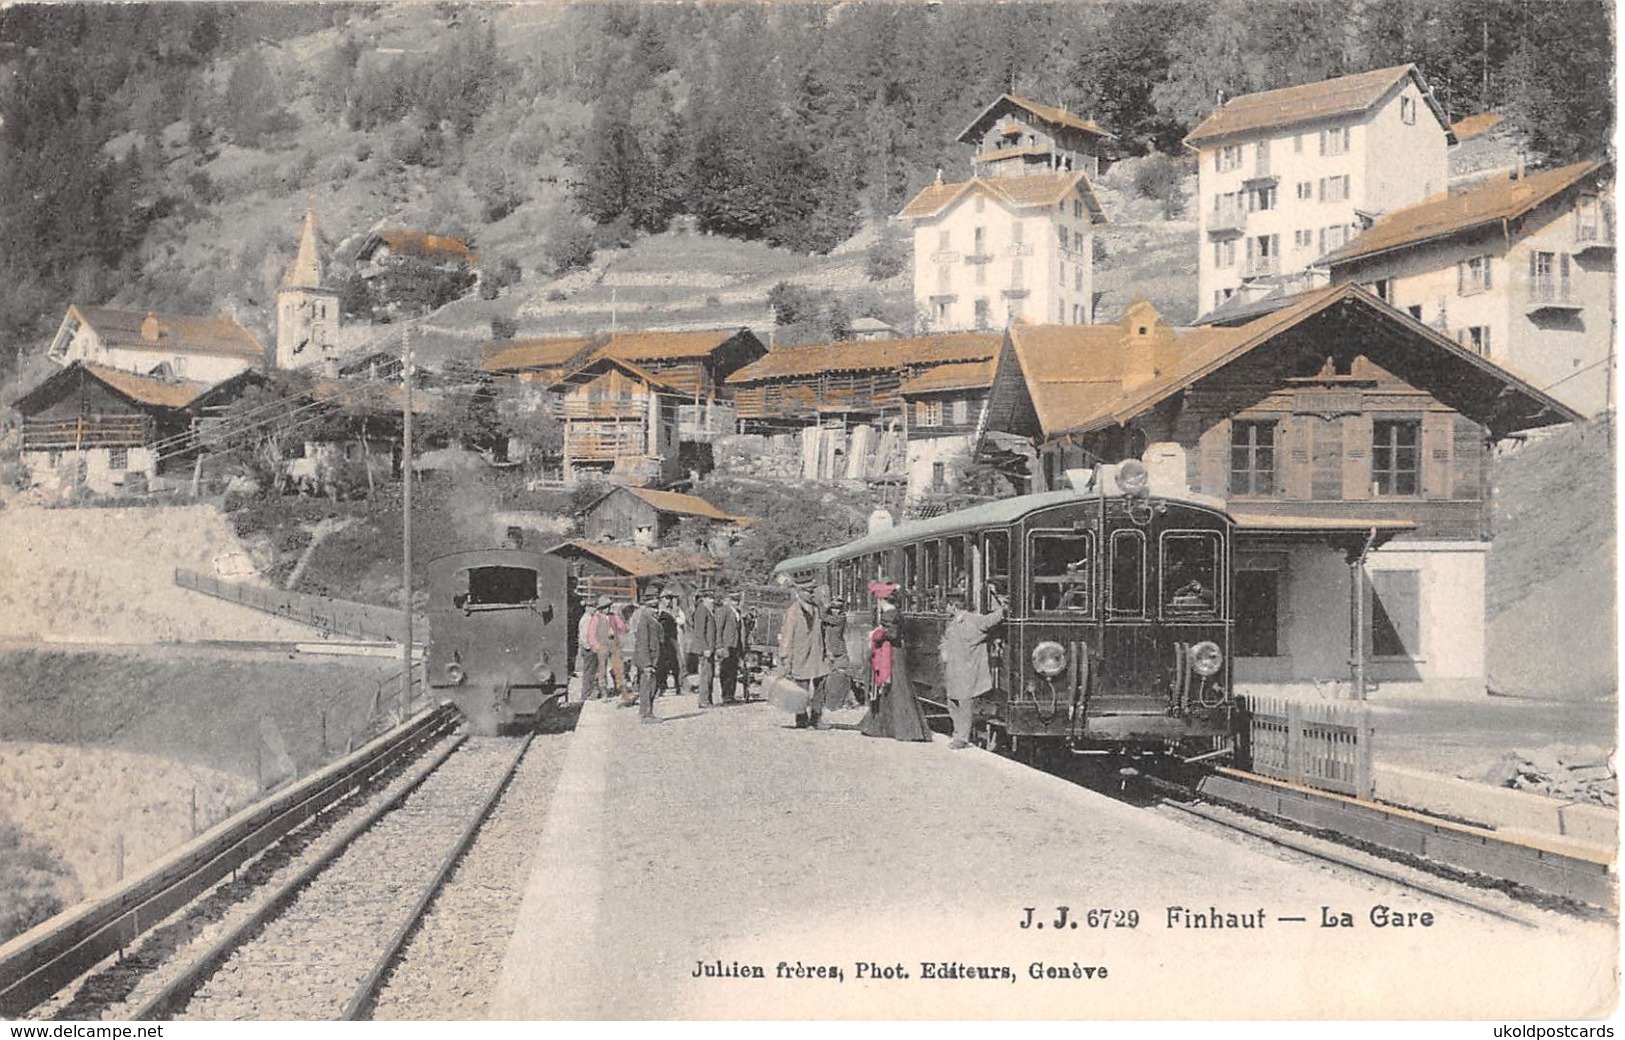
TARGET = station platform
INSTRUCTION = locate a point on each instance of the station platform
(725, 865)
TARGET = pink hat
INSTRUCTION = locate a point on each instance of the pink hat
(882, 589)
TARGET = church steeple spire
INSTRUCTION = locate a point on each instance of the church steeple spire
(306, 272)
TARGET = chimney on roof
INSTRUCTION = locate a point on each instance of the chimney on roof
(1141, 329)
(149, 328)
(1219, 97)
(1519, 175)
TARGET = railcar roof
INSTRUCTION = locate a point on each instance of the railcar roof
(1002, 511)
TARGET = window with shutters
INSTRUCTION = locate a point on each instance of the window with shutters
(1306, 191)
(1335, 142)
(1227, 158)
(1588, 223)
(1548, 277)
(1394, 456)
(1303, 238)
(1333, 237)
(1473, 275)
(1224, 253)
(1334, 189)
(984, 314)
(1475, 338)
(1018, 274)
(961, 411)
(1396, 615)
(1077, 278)
(928, 413)
(1252, 458)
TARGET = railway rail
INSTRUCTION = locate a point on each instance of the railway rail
(311, 919)
(1397, 844)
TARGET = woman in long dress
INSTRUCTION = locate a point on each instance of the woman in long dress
(893, 709)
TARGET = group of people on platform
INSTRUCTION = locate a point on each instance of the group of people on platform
(637, 652)
(813, 646)
(633, 652)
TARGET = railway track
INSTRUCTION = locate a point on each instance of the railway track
(1457, 863)
(328, 881)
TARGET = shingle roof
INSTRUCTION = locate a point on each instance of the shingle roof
(962, 375)
(869, 355)
(640, 563)
(683, 505)
(1033, 190)
(1491, 202)
(1042, 112)
(421, 244)
(147, 390)
(1469, 127)
(1306, 102)
(1094, 399)
(519, 355)
(177, 333)
(598, 362)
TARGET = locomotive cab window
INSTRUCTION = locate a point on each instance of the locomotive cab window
(500, 587)
(1127, 595)
(1190, 574)
(995, 565)
(1062, 568)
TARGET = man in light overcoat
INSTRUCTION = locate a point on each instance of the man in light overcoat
(966, 671)
(801, 641)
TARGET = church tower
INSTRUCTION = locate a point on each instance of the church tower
(307, 313)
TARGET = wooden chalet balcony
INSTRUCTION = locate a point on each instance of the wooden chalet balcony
(110, 431)
(605, 440)
(604, 408)
(820, 394)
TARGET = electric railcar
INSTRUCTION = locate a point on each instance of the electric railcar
(499, 634)
(1118, 617)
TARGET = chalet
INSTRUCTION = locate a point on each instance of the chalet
(626, 571)
(1283, 176)
(168, 346)
(109, 430)
(1336, 422)
(381, 249)
(648, 518)
(857, 381)
(943, 411)
(1016, 137)
(1518, 268)
(695, 363)
(620, 423)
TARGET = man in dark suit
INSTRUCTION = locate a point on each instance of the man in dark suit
(703, 639)
(730, 644)
(646, 639)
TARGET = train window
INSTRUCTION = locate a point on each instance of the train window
(995, 565)
(956, 575)
(1127, 594)
(911, 570)
(931, 574)
(500, 586)
(1062, 565)
(1190, 573)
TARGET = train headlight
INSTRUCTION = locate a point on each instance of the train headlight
(455, 674)
(1049, 659)
(1206, 658)
(1133, 478)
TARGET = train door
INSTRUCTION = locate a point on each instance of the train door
(1128, 661)
(993, 573)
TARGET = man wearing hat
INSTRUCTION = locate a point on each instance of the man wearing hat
(587, 665)
(604, 640)
(730, 623)
(667, 666)
(704, 641)
(965, 667)
(801, 641)
(838, 686)
(646, 640)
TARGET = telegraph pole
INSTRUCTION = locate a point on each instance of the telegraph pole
(406, 515)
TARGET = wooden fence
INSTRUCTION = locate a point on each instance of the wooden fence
(334, 617)
(1316, 742)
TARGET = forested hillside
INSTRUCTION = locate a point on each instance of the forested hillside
(158, 155)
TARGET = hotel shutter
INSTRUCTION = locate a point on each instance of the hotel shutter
(1356, 457)
(1215, 445)
(1438, 444)
(1293, 457)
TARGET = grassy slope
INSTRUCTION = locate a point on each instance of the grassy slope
(1551, 575)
